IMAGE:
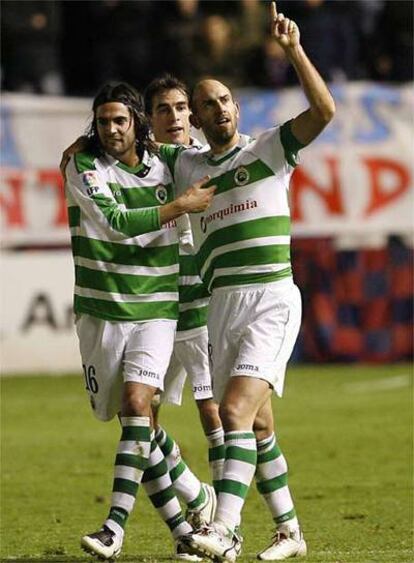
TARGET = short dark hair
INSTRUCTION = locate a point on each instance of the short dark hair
(123, 93)
(162, 84)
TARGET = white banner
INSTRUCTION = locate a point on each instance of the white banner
(37, 329)
(356, 179)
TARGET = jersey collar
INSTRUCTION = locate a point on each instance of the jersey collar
(216, 160)
(140, 169)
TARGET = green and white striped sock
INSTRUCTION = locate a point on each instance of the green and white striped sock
(216, 452)
(238, 472)
(130, 463)
(185, 483)
(271, 479)
(157, 484)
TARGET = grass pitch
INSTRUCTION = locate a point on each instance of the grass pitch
(346, 432)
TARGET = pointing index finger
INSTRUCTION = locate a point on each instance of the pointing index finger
(273, 10)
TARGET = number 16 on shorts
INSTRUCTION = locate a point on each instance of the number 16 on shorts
(90, 379)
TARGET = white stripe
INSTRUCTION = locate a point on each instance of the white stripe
(189, 280)
(125, 298)
(263, 268)
(132, 447)
(196, 304)
(271, 469)
(129, 473)
(240, 471)
(281, 501)
(158, 484)
(124, 269)
(123, 500)
(249, 243)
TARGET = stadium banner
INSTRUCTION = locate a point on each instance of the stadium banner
(37, 325)
(356, 179)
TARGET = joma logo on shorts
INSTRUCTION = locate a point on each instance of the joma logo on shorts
(146, 373)
(200, 388)
(247, 367)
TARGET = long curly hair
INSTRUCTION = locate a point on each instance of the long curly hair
(123, 93)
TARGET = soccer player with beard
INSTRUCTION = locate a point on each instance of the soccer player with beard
(242, 245)
(122, 214)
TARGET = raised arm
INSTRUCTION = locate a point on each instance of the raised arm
(309, 124)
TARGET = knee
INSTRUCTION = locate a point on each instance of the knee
(231, 415)
(209, 414)
(135, 404)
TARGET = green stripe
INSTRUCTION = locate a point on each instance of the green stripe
(291, 145)
(125, 283)
(169, 154)
(139, 197)
(176, 471)
(216, 453)
(155, 471)
(285, 517)
(271, 485)
(189, 293)
(198, 501)
(241, 454)
(132, 222)
(249, 279)
(125, 486)
(168, 444)
(188, 265)
(130, 460)
(84, 161)
(233, 488)
(118, 515)
(74, 214)
(268, 456)
(254, 256)
(175, 521)
(126, 254)
(162, 497)
(193, 318)
(114, 311)
(257, 228)
(137, 433)
(257, 171)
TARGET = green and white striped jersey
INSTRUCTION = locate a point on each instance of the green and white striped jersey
(244, 236)
(126, 264)
(193, 294)
(193, 297)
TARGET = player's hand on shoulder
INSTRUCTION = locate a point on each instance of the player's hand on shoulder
(198, 197)
(284, 30)
(78, 146)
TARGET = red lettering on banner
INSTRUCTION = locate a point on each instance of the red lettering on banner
(12, 205)
(380, 195)
(53, 178)
(330, 195)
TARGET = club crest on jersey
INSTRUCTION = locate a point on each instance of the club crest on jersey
(241, 176)
(161, 194)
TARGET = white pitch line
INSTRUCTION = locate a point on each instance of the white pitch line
(384, 384)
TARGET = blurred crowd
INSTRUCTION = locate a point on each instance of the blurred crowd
(71, 47)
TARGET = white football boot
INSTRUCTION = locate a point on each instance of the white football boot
(286, 543)
(216, 542)
(204, 514)
(105, 544)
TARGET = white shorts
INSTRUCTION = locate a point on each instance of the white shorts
(116, 352)
(190, 357)
(253, 330)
